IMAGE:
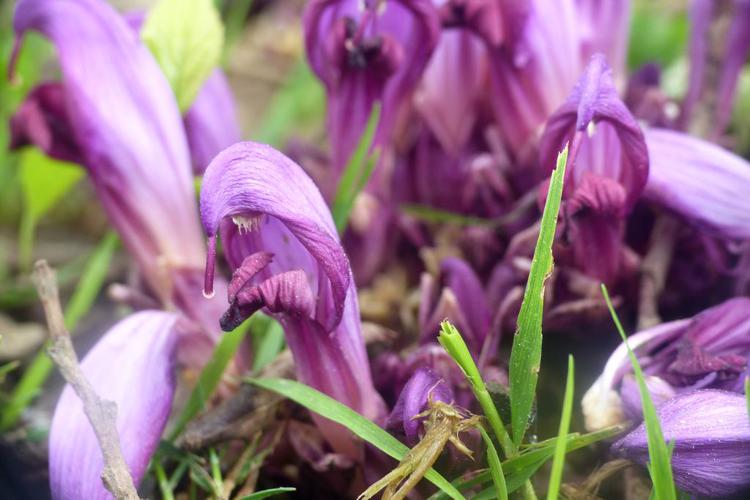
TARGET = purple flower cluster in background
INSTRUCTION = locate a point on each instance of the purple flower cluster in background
(478, 97)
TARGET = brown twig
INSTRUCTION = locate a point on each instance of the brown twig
(654, 269)
(102, 414)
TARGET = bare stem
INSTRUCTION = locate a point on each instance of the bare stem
(102, 414)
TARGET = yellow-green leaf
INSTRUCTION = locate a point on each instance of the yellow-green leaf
(186, 38)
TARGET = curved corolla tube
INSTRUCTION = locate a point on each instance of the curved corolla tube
(123, 118)
(132, 365)
(281, 243)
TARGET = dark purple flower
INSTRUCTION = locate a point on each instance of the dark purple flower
(280, 242)
(704, 183)
(458, 297)
(710, 430)
(142, 345)
(608, 168)
(710, 350)
(363, 53)
(423, 387)
(42, 120)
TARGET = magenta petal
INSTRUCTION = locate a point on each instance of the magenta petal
(211, 122)
(131, 365)
(128, 129)
(711, 434)
(702, 182)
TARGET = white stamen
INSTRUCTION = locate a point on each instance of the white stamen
(591, 129)
(246, 223)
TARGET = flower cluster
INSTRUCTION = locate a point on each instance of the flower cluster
(478, 97)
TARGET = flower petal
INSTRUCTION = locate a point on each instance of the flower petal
(211, 122)
(126, 124)
(284, 214)
(423, 387)
(700, 181)
(131, 365)
(711, 434)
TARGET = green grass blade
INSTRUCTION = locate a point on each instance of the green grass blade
(210, 377)
(331, 409)
(357, 172)
(747, 394)
(430, 214)
(90, 284)
(454, 344)
(91, 281)
(520, 468)
(496, 468)
(525, 358)
(268, 340)
(559, 458)
(7, 368)
(161, 477)
(658, 450)
(260, 495)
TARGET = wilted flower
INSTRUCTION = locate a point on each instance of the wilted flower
(710, 350)
(280, 241)
(710, 430)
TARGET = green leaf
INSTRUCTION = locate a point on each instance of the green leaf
(525, 358)
(161, 477)
(186, 38)
(44, 181)
(559, 459)
(430, 214)
(520, 468)
(268, 340)
(89, 285)
(210, 377)
(357, 172)
(496, 468)
(91, 281)
(658, 450)
(259, 495)
(298, 106)
(7, 368)
(747, 394)
(454, 344)
(331, 409)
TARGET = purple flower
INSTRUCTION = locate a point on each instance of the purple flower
(710, 350)
(365, 53)
(710, 430)
(211, 122)
(458, 297)
(700, 181)
(608, 168)
(735, 49)
(120, 112)
(143, 346)
(457, 68)
(423, 387)
(531, 78)
(605, 28)
(280, 242)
